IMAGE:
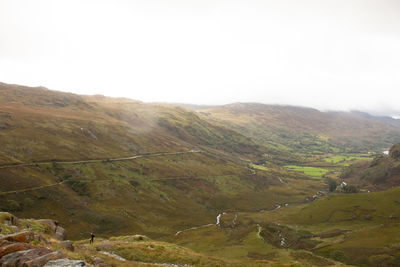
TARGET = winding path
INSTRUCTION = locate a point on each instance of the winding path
(191, 178)
(98, 160)
(218, 220)
(217, 223)
(30, 189)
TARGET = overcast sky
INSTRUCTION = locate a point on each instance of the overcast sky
(342, 54)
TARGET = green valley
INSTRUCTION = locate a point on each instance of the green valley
(235, 185)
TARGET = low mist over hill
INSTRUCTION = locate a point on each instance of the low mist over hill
(49, 125)
(299, 129)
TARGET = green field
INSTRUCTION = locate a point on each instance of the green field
(259, 167)
(314, 172)
(344, 160)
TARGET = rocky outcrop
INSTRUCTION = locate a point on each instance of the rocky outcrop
(25, 236)
(52, 224)
(98, 261)
(67, 244)
(4, 243)
(137, 238)
(105, 247)
(42, 260)
(8, 219)
(16, 250)
(17, 259)
(59, 233)
(65, 263)
(14, 247)
(395, 151)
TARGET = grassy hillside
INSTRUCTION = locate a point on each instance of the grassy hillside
(381, 173)
(368, 226)
(155, 195)
(238, 185)
(355, 229)
(305, 130)
(37, 124)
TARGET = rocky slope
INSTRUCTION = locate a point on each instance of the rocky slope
(31, 243)
(40, 243)
(380, 174)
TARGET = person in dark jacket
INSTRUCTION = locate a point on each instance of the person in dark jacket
(91, 238)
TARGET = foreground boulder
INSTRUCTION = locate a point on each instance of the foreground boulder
(8, 219)
(65, 263)
(14, 247)
(42, 260)
(18, 249)
(25, 236)
(17, 259)
(67, 244)
(52, 224)
(59, 233)
(4, 243)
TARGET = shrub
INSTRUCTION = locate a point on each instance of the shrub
(337, 255)
(13, 205)
(350, 189)
(383, 260)
(134, 183)
(332, 184)
(28, 202)
(79, 187)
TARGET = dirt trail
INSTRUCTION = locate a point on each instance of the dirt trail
(191, 178)
(98, 160)
(217, 223)
(30, 189)
(79, 162)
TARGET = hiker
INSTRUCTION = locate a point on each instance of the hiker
(91, 238)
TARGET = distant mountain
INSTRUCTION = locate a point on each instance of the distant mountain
(193, 106)
(305, 130)
(385, 119)
(38, 124)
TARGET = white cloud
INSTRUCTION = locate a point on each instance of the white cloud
(326, 54)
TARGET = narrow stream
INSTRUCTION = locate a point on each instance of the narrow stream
(218, 219)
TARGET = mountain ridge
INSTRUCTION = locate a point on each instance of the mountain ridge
(290, 126)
